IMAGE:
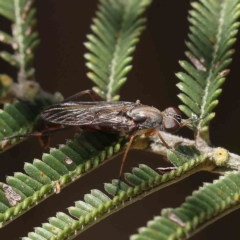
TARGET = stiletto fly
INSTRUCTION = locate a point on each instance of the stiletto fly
(126, 118)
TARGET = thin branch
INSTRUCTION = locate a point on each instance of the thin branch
(220, 156)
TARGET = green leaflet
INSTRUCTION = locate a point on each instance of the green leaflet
(15, 119)
(213, 29)
(188, 152)
(24, 38)
(18, 118)
(208, 204)
(116, 30)
(97, 205)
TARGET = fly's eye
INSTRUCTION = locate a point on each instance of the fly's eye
(178, 118)
(173, 111)
(172, 120)
(171, 125)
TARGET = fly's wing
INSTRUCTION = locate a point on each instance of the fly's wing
(89, 113)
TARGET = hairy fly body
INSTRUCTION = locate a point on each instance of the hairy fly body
(126, 118)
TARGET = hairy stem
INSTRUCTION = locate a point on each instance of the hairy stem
(232, 160)
(18, 34)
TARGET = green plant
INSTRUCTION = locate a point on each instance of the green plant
(116, 30)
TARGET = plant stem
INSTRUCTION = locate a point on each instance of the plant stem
(156, 146)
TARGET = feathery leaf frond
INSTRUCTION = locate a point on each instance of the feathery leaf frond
(56, 170)
(208, 204)
(23, 40)
(15, 119)
(213, 30)
(20, 117)
(117, 27)
(97, 205)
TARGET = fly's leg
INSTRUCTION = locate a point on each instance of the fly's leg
(39, 134)
(43, 136)
(123, 162)
(165, 143)
(90, 92)
(170, 148)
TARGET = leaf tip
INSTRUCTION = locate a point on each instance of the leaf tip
(224, 73)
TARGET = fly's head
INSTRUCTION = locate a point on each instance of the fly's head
(171, 120)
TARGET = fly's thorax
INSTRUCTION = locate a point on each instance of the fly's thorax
(146, 117)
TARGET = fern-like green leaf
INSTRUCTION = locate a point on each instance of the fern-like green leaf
(183, 155)
(56, 170)
(97, 205)
(19, 118)
(213, 30)
(15, 119)
(208, 204)
(23, 39)
(117, 27)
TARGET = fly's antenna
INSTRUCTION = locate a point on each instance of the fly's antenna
(190, 121)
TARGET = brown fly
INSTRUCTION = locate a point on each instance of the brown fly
(126, 118)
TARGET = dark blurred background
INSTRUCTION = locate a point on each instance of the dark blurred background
(60, 66)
